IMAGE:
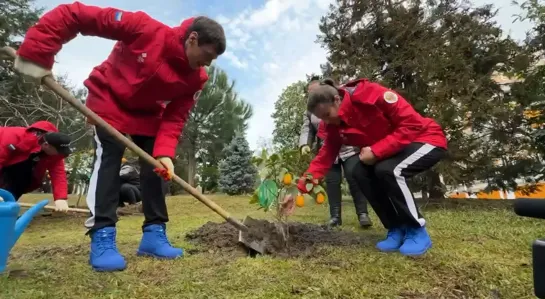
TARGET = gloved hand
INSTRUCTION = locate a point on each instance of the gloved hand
(305, 150)
(29, 70)
(61, 205)
(303, 182)
(166, 173)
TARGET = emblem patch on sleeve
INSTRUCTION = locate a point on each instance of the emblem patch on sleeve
(118, 15)
(390, 97)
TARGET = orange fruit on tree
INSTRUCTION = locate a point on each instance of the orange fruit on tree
(320, 198)
(287, 179)
(300, 201)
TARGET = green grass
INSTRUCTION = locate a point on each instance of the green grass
(477, 253)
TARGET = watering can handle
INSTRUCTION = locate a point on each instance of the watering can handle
(66, 96)
(7, 196)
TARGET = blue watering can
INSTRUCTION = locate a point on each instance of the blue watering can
(11, 228)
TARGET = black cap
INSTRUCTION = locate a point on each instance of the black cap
(60, 141)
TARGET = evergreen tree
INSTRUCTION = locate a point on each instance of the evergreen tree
(288, 114)
(237, 173)
(211, 124)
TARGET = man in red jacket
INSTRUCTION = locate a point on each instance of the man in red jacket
(396, 143)
(151, 66)
(26, 153)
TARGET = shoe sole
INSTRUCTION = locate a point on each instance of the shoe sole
(108, 270)
(418, 253)
(388, 250)
(146, 254)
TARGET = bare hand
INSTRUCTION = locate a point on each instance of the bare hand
(367, 156)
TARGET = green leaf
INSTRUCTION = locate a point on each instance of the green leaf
(292, 190)
(257, 161)
(317, 189)
(283, 172)
(267, 192)
(274, 158)
(309, 186)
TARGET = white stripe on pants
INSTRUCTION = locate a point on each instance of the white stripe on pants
(402, 183)
(91, 193)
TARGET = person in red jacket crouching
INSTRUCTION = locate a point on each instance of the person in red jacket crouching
(396, 143)
(26, 153)
(145, 89)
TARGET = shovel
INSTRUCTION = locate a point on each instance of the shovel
(66, 96)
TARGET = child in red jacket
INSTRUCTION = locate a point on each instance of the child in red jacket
(396, 143)
(151, 66)
(26, 153)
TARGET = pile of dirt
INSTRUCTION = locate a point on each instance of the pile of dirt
(304, 239)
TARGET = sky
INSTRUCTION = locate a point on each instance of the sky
(270, 44)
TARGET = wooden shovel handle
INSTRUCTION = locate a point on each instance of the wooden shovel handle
(66, 96)
(51, 208)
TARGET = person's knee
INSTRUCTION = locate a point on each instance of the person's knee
(358, 173)
(125, 189)
(384, 169)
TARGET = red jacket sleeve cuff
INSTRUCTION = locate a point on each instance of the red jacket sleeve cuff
(57, 196)
(43, 60)
(164, 151)
(379, 151)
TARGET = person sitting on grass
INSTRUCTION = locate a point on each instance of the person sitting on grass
(396, 143)
(28, 153)
(130, 183)
(345, 162)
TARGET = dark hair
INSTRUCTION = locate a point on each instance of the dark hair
(330, 82)
(323, 94)
(210, 33)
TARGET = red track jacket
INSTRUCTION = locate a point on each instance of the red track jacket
(377, 117)
(147, 69)
(25, 144)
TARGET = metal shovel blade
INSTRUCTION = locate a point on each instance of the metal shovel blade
(249, 241)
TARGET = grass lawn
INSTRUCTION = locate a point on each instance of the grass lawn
(478, 252)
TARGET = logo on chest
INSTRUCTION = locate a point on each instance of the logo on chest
(390, 97)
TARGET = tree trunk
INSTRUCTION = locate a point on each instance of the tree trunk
(192, 165)
(59, 117)
(435, 187)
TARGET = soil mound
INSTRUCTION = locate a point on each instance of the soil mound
(304, 239)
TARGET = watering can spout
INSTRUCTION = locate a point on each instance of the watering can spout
(12, 228)
(25, 219)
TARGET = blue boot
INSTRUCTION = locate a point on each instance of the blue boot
(417, 242)
(155, 243)
(393, 240)
(104, 256)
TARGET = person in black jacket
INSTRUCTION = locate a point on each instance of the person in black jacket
(129, 192)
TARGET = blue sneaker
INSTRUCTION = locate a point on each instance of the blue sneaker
(155, 243)
(417, 242)
(104, 256)
(393, 240)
